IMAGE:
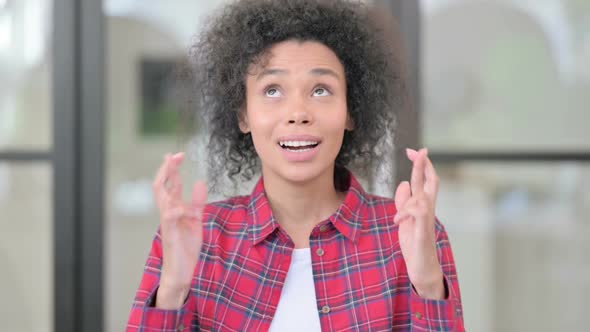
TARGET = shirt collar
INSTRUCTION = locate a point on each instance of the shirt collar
(261, 221)
(348, 219)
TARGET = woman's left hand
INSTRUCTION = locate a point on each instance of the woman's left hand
(415, 204)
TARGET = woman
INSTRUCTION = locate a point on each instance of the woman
(302, 90)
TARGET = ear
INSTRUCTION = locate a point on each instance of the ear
(349, 123)
(243, 120)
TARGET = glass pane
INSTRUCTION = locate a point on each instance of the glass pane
(520, 236)
(25, 68)
(26, 249)
(144, 43)
(506, 74)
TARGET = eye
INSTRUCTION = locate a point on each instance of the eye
(272, 92)
(321, 92)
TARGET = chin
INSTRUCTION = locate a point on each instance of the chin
(300, 173)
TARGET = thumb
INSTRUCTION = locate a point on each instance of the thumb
(402, 194)
(199, 198)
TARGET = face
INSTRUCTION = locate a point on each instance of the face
(296, 111)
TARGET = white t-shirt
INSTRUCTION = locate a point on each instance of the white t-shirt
(297, 309)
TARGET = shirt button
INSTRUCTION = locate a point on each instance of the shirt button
(320, 252)
(418, 315)
(325, 309)
(180, 327)
(324, 228)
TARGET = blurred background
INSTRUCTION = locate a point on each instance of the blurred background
(88, 109)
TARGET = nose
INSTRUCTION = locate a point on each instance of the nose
(299, 114)
(300, 118)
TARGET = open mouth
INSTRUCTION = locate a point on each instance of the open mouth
(298, 146)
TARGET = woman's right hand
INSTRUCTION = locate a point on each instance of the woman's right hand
(181, 231)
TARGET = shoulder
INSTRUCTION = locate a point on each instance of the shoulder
(383, 209)
(380, 208)
(228, 215)
(227, 210)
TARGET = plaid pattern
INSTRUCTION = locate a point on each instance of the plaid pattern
(360, 276)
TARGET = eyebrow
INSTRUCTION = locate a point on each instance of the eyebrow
(314, 72)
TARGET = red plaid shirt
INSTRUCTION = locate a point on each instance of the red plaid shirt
(361, 281)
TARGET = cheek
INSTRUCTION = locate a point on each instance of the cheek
(337, 122)
(262, 124)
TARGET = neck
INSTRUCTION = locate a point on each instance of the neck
(299, 207)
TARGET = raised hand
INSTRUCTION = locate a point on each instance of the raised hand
(415, 203)
(181, 232)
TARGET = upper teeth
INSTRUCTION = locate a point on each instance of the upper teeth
(297, 143)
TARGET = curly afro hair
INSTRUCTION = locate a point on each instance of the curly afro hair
(240, 34)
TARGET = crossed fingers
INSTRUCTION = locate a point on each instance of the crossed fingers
(417, 198)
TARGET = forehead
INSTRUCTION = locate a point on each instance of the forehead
(295, 55)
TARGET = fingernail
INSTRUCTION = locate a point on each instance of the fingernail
(178, 155)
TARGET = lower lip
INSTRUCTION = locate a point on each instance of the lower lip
(296, 156)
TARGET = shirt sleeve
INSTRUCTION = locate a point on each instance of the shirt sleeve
(144, 315)
(440, 315)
